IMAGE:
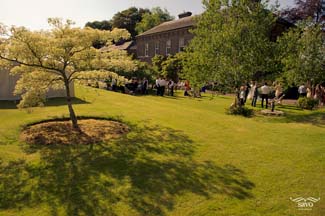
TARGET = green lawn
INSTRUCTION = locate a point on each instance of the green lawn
(183, 156)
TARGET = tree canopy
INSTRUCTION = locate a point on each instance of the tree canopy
(231, 43)
(302, 54)
(101, 25)
(170, 67)
(127, 19)
(55, 58)
(135, 20)
(153, 18)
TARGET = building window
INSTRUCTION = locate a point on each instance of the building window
(181, 44)
(157, 48)
(168, 46)
(146, 50)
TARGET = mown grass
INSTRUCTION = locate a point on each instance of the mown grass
(183, 156)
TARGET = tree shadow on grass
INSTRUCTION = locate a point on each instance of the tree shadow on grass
(63, 101)
(288, 107)
(143, 171)
(316, 118)
(8, 104)
(49, 102)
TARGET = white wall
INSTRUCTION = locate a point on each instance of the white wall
(8, 82)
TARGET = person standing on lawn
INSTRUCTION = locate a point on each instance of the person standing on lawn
(265, 91)
(144, 86)
(242, 95)
(302, 90)
(158, 86)
(171, 87)
(162, 84)
(247, 90)
(279, 93)
(254, 94)
(187, 88)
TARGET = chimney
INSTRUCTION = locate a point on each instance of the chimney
(185, 14)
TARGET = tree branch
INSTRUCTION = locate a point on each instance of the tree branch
(34, 53)
(54, 70)
(77, 51)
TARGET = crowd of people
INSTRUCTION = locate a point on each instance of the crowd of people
(268, 94)
(253, 91)
(134, 86)
(317, 93)
(162, 85)
(275, 92)
(137, 86)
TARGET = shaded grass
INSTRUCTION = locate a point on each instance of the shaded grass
(49, 102)
(146, 170)
(294, 114)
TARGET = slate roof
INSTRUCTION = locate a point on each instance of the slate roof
(126, 45)
(171, 25)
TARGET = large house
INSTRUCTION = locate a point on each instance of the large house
(7, 87)
(165, 39)
(171, 37)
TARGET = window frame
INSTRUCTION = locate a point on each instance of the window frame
(181, 46)
(168, 47)
(157, 48)
(146, 49)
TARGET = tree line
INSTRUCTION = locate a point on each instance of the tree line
(134, 20)
(233, 45)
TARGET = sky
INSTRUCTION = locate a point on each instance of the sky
(33, 14)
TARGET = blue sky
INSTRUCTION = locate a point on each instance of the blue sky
(34, 13)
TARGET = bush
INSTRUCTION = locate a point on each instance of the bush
(240, 110)
(307, 103)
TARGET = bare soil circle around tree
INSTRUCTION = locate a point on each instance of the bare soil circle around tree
(60, 132)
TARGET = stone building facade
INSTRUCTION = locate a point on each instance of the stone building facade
(165, 39)
(171, 37)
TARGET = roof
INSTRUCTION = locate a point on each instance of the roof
(126, 45)
(170, 25)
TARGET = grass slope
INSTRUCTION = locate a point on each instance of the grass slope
(182, 157)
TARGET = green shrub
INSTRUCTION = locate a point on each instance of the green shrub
(240, 110)
(307, 103)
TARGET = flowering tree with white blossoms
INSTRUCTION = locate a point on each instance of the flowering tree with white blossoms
(57, 57)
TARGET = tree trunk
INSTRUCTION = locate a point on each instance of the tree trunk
(72, 114)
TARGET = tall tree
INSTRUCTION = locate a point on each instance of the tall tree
(231, 43)
(153, 18)
(157, 62)
(127, 19)
(55, 58)
(303, 10)
(172, 67)
(101, 25)
(303, 54)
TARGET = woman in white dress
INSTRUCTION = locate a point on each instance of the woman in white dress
(278, 93)
(251, 92)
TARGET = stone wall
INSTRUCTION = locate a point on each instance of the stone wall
(161, 39)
